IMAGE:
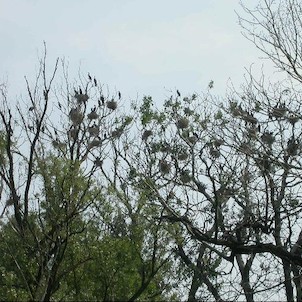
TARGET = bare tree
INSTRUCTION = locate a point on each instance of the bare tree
(44, 176)
(60, 189)
(274, 27)
(228, 174)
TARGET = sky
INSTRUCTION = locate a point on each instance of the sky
(138, 47)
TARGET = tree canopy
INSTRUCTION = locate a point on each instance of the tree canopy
(198, 199)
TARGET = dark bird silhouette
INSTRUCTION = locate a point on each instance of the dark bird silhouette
(178, 93)
(119, 95)
(195, 134)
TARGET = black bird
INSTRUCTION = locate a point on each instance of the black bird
(178, 93)
(119, 95)
(195, 134)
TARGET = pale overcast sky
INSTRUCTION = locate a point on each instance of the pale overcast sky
(136, 46)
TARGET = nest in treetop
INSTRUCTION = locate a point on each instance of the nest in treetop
(279, 111)
(117, 133)
(192, 139)
(214, 152)
(268, 137)
(81, 97)
(73, 133)
(95, 143)
(293, 119)
(111, 105)
(185, 176)
(94, 130)
(164, 167)
(92, 115)
(146, 134)
(76, 116)
(182, 123)
(182, 155)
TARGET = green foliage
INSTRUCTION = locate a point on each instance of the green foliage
(18, 263)
(146, 110)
